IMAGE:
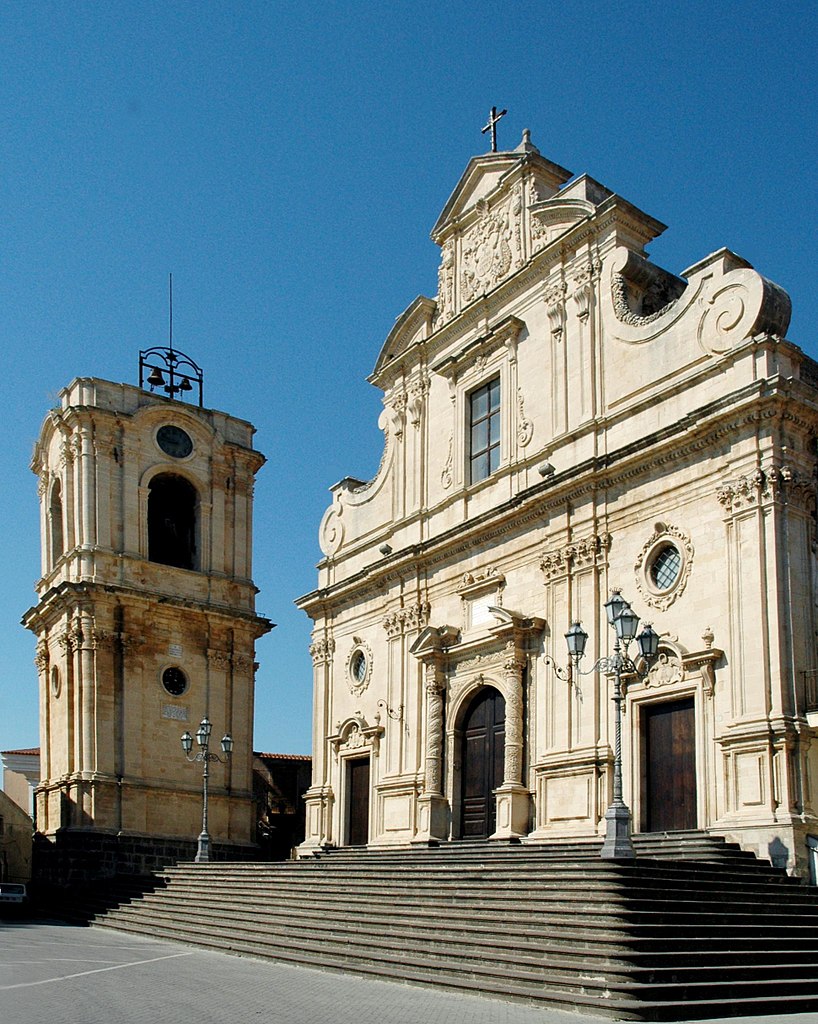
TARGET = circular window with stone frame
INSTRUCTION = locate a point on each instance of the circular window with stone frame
(663, 565)
(359, 666)
(174, 681)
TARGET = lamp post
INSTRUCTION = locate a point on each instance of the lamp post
(624, 621)
(205, 756)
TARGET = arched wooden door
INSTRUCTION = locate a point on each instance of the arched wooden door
(482, 759)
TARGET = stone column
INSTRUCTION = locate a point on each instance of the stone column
(104, 456)
(69, 497)
(85, 638)
(434, 729)
(46, 547)
(512, 797)
(319, 797)
(513, 679)
(205, 536)
(433, 818)
(43, 663)
(88, 485)
(248, 527)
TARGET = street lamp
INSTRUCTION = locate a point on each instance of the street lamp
(625, 622)
(205, 756)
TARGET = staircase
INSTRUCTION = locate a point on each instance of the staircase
(711, 932)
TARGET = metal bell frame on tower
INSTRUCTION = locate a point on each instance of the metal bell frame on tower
(625, 622)
(171, 370)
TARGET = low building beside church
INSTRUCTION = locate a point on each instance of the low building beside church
(563, 418)
(21, 776)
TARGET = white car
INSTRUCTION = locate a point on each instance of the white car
(13, 893)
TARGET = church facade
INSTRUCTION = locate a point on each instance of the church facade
(145, 624)
(566, 417)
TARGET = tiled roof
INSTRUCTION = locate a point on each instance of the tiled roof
(31, 752)
(284, 757)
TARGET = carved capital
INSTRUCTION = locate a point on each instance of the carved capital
(71, 638)
(101, 639)
(583, 291)
(393, 624)
(42, 657)
(218, 659)
(794, 487)
(744, 492)
(514, 661)
(418, 390)
(321, 650)
(555, 307)
(579, 554)
(66, 452)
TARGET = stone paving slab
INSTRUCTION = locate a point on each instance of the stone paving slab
(53, 973)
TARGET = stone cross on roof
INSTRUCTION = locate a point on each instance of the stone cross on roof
(494, 117)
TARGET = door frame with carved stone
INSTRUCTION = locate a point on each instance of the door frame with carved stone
(455, 671)
(678, 675)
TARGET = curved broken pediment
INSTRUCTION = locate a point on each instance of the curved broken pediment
(723, 301)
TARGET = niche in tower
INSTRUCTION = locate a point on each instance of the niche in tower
(55, 531)
(172, 504)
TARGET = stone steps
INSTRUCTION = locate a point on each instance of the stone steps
(658, 939)
(683, 909)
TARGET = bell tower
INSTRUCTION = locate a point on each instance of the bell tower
(145, 619)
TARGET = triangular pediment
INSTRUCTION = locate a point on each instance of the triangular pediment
(413, 325)
(482, 176)
(484, 229)
(485, 176)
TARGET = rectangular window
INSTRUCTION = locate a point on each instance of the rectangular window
(484, 448)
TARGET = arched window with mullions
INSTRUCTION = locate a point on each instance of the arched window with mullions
(172, 510)
(56, 539)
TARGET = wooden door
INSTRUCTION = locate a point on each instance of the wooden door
(670, 766)
(482, 761)
(358, 802)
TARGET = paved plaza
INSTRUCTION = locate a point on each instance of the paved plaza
(53, 973)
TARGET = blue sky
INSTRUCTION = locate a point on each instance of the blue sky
(286, 162)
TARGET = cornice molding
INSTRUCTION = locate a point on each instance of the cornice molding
(760, 403)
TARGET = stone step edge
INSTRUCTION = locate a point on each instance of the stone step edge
(630, 999)
(555, 958)
(532, 896)
(636, 915)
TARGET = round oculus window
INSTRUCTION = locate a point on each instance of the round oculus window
(358, 666)
(56, 682)
(174, 681)
(174, 441)
(665, 568)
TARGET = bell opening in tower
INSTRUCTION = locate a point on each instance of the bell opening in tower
(172, 503)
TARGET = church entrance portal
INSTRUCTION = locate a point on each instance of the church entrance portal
(482, 759)
(358, 802)
(670, 766)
